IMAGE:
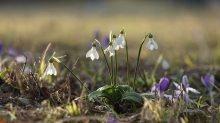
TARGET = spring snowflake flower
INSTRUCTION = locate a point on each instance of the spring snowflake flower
(165, 64)
(51, 70)
(161, 87)
(92, 53)
(151, 43)
(119, 42)
(110, 49)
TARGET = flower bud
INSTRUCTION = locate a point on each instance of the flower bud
(150, 35)
(114, 36)
(50, 60)
(93, 45)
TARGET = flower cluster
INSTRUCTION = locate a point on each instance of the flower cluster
(116, 43)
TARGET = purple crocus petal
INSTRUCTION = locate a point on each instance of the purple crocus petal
(97, 34)
(192, 90)
(106, 41)
(185, 97)
(20, 59)
(212, 79)
(164, 84)
(182, 87)
(176, 85)
(177, 93)
(185, 81)
(1, 48)
(29, 56)
(156, 86)
(207, 80)
(12, 51)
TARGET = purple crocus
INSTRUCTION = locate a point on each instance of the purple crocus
(105, 42)
(161, 87)
(207, 80)
(29, 56)
(1, 48)
(12, 52)
(97, 35)
(20, 59)
(184, 88)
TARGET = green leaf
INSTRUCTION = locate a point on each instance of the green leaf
(89, 71)
(105, 87)
(3, 74)
(125, 88)
(199, 102)
(96, 94)
(132, 96)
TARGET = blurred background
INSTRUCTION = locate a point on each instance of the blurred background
(186, 31)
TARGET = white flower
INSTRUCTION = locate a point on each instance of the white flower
(92, 53)
(187, 88)
(123, 44)
(110, 49)
(151, 44)
(119, 42)
(115, 45)
(51, 70)
(165, 64)
(20, 59)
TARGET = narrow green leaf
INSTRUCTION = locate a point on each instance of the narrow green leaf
(89, 71)
(3, 74)
(199, 102)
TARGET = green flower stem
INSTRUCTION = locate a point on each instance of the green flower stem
(138, 58)
(58, 61)
(113, 76)
(155, 67)
(105, 59)
(212, 99)
(128, 75)
(116, 68)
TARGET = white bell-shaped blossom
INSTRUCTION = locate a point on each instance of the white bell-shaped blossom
(119, 42)
(92, 53)
(111, 50)
(115, 45)
(165, 64)
(151, 44)
(51, 70)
